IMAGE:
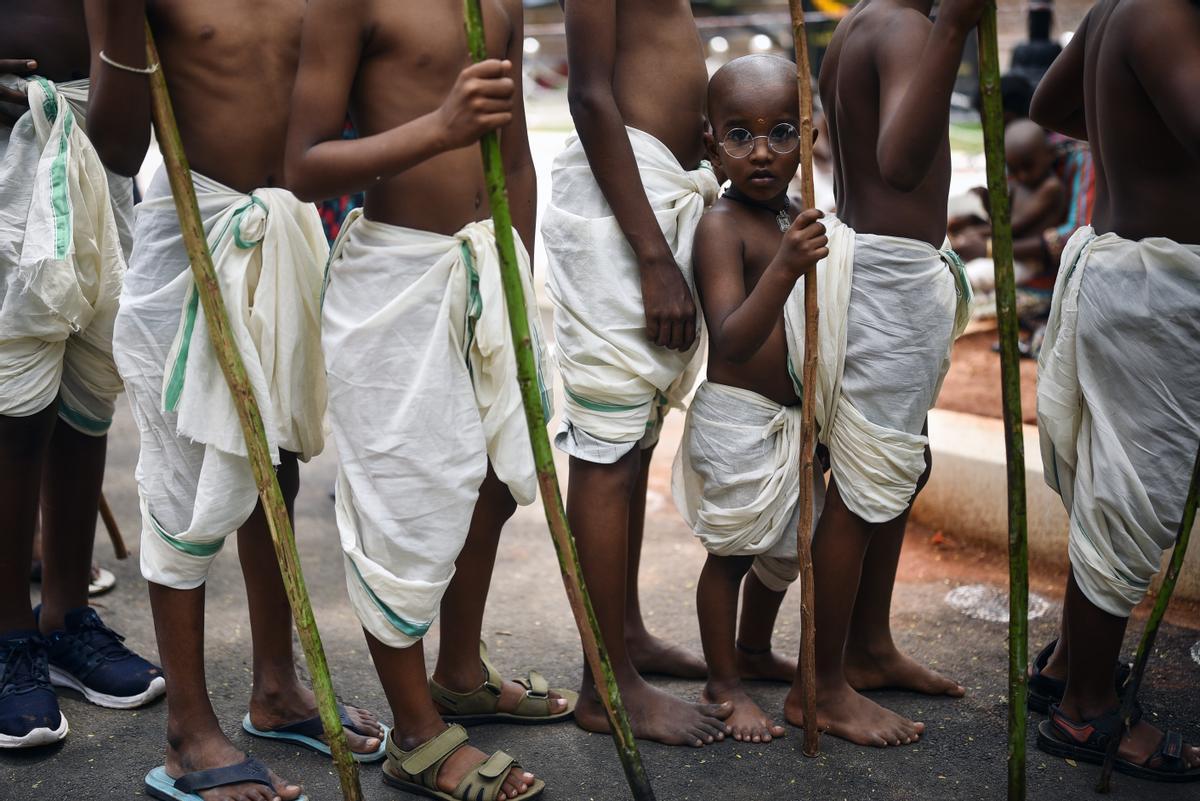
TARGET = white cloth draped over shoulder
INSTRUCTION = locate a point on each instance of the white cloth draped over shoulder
(891, 309)
(194, 479)
(423, 394)
(1119, 405)
(616, 380)
(64, 238)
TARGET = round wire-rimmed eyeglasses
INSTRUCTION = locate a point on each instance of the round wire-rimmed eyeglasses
(739, 143)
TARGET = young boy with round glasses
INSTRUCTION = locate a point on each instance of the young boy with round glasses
(737, 473)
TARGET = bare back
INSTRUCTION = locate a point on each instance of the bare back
(659, 78)
(51, 32)
(1147, 180)
(411, 59)
(230, 66)
(850, 90)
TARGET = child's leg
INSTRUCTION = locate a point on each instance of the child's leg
(839, 547)
(23, 444)
(649, 654)
(402, 674)
(716, 604)
(458, 667)
(872, 659)
(277, 697)
(598, 502)
(70, 502)
(194, 737)
(760, 609)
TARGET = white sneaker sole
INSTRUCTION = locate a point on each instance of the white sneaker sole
(61, 678)
(37, 737)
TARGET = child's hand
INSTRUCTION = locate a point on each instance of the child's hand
(805, 243)
(14, 66)
(480, 102)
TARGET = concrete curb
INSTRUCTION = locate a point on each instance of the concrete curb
(965, 496)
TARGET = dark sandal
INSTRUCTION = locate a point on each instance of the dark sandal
(307, 734)
(1045, 690)
(161, 786)
(417, 771)
(1088, 741)
(481, 704)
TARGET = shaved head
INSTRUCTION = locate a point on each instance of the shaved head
(753, 82)
(1024, 136)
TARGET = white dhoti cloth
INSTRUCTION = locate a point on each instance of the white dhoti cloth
(1119, 406)
(64, 237)
(617, 382)
(194, 478)
(736, 479)
(423, 393)
(891, 309)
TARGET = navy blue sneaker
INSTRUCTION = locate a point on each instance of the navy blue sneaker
(29, 714)
(88, 657)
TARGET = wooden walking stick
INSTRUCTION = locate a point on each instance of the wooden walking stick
(1010, 378)
(808, 427)
(114, 531)
(1146, 645)
(209, 290)
(556, 517)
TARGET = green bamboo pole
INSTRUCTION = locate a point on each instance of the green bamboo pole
(265, 479)
(1010, 377)
(1146, 645)
(556, 517)
(808, 427)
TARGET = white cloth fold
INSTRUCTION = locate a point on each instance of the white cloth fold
(63, 244)
(1119, 405)
(194, 479)
(616, 382)
(736, 477)
(890, 311)
(423, 393)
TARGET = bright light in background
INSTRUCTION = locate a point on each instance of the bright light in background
(718, 44)
(760, 42)
(532, 45)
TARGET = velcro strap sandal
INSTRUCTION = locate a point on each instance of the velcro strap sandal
(1088, 741)
(481, 705)
(417, 771)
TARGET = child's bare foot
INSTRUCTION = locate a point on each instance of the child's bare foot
(204, 751)
(654, 656)
(275, 709)
(845, 713)
(893, 670)
(748, 723)
(765, 665)
(656, 715)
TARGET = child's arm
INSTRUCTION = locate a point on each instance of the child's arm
(917, 68)
(1165, 56)
(1058, 100)
(320, 164)
(739, 324)
(1039, 205)
(514, 140)
(118, 119)
(591, 52)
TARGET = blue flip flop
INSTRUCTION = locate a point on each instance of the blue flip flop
(161, 786)
(306, 733)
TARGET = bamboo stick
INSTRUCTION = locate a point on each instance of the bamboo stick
(114, 531)
(207, 286)
(1010, 377)
(808, 428)
(1146, 645)
(556, 517)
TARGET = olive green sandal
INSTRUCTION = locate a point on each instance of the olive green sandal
(416, 771)
(480, 705)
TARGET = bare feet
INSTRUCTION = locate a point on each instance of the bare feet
(844, 713)
(748, 723)
(277, 709)
(766, 665)
(206, 751)
(463, 761)
(658, 716)
(657, 657)
(893, 670)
